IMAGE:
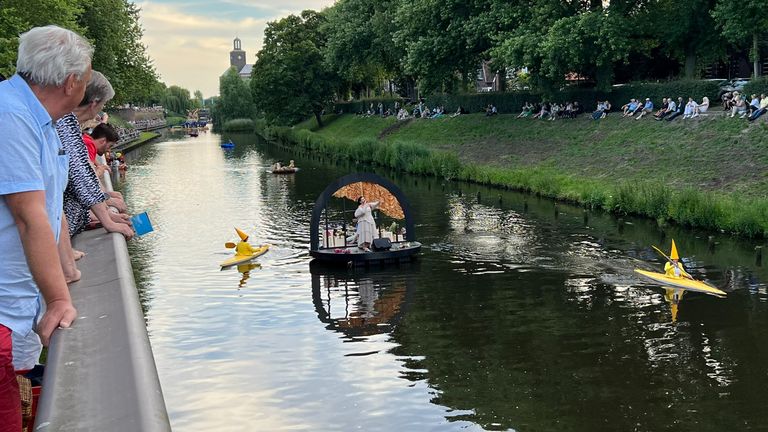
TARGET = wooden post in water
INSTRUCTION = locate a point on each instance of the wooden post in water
(758, 255)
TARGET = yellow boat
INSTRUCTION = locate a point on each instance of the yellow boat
(683, 283)
(240, 259)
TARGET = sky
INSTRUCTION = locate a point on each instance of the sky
(190, 40)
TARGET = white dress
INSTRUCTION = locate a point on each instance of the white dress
(366, 226)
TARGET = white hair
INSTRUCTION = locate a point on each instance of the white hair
(98, 90)
(50, 54)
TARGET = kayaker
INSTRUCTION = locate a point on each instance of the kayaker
(674, 268)
(243, 248)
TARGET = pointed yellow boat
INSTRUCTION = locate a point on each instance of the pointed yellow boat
(683, 283)
(240, 259)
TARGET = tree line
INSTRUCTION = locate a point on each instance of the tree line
(113, 28)
(357, 47)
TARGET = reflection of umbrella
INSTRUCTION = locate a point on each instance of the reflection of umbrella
(372, 192)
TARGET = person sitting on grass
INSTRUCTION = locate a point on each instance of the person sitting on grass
(727, 101)
(459, 111)
(754, 104)
(661, 111)
(543, 112)
(527, 109)
(702, 107)
(739, 107)
(568, 113)
(629, 108)
(556, 110)
(763, 108)
(668, 109)
(491, 110)
(602, 109)
(679, 106)
(647, 108)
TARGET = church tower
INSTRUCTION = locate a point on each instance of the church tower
(237, 56)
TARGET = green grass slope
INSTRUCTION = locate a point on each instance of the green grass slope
(710, 172)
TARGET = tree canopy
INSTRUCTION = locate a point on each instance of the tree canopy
(290, 78)
(113, 28)
(367, 47)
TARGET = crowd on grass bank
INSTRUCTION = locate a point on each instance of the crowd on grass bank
(669, 109)
(51, 191)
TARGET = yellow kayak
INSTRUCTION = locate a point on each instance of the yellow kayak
(240, 259)
(686, 284)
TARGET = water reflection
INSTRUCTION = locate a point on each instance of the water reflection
(245, 271)
(362, 303)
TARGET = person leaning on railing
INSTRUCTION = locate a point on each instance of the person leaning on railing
(52, 70)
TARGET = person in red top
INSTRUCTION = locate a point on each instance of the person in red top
(90, 146)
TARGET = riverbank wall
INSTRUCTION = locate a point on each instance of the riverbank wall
(100, 374)
(706, 173)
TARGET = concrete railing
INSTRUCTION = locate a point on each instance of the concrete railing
(100, 374)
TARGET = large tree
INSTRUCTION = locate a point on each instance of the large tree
(553, 38)
(743, 21)
(18, 16)
(234, 100)
(359, 44)
(113, 26)
(444, 40)
(290, 79)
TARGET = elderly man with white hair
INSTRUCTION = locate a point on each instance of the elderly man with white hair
(52, 71)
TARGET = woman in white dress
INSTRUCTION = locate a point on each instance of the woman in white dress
(366, 226)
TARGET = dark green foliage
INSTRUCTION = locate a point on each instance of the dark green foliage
(290, 78)
(758, 87)
(239, 125)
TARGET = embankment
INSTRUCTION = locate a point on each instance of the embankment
(709, 172)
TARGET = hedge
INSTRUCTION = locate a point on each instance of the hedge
(758, 87)
(512, 102)
(239, 125)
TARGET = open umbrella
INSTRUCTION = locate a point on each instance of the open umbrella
(372, 192)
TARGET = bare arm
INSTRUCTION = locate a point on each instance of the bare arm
(102, 214)
(28, 211)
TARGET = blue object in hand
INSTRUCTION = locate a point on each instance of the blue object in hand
(141, 224)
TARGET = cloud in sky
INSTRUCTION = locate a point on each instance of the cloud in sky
(190, 40)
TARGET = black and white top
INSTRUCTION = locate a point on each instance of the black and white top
(83, 189)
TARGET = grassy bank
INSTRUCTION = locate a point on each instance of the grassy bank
(707, 172)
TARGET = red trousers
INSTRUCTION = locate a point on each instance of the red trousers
(10, 401)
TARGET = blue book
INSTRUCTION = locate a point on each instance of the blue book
(141, 224)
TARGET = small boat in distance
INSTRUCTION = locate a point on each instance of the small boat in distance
(279, 169)
(228, 145)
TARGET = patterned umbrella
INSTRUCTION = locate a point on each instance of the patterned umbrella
(372, 192)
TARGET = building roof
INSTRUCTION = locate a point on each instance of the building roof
(246, 70)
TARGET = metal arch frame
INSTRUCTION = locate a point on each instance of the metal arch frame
(322, 202)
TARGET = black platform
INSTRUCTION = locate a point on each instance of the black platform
(404, 251)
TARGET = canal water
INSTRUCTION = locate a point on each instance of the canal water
(519, 314)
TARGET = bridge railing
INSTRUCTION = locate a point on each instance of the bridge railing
(100, 373)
